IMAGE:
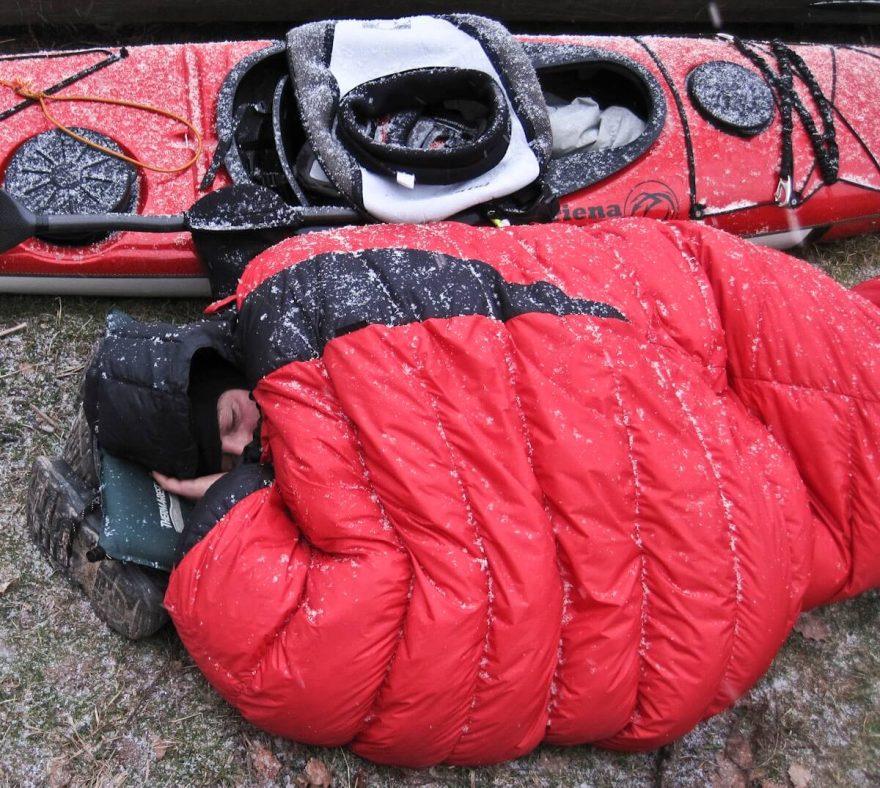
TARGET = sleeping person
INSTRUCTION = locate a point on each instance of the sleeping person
(540, 483)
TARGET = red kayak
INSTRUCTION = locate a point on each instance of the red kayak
(773, 142)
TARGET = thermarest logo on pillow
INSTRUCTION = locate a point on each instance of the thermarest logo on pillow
(170, 514)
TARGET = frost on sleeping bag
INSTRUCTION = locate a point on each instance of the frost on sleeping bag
(535, 484)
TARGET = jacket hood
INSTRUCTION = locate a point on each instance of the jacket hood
(135, 390)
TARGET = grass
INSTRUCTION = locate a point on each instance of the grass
(80, 705)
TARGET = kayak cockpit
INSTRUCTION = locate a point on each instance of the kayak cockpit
(261, 139)
(612, 80)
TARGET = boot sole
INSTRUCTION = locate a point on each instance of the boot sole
(59, 520)
(80, 451)
(64, 521)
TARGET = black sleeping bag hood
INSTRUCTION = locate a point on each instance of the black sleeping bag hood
(135, 391)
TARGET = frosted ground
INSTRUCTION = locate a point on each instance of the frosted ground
(80, 705)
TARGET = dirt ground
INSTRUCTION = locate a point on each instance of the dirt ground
(80, 705)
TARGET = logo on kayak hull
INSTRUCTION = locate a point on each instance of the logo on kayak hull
(648, 198)
(652, 198)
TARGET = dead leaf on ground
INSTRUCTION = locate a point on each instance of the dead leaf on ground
(263, 760)
(58, 772)
(318, 774)
(813, 627)
(4, 584)
(553, 763)
(728, 774)
(160, 746)
(739, 750)
(799, 775)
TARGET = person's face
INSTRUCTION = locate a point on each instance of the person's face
(237, 416)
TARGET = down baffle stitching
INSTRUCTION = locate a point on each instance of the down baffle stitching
(387, 524)
(851, 490)
(510, 361)
(636, 532)
(726, 507)
(490, 581)
(478, 541)
(802, 386)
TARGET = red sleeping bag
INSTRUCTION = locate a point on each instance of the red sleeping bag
(533, 484)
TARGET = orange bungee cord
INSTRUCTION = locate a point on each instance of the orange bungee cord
(24, 90)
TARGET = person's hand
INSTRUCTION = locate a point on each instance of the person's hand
(186, 488)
